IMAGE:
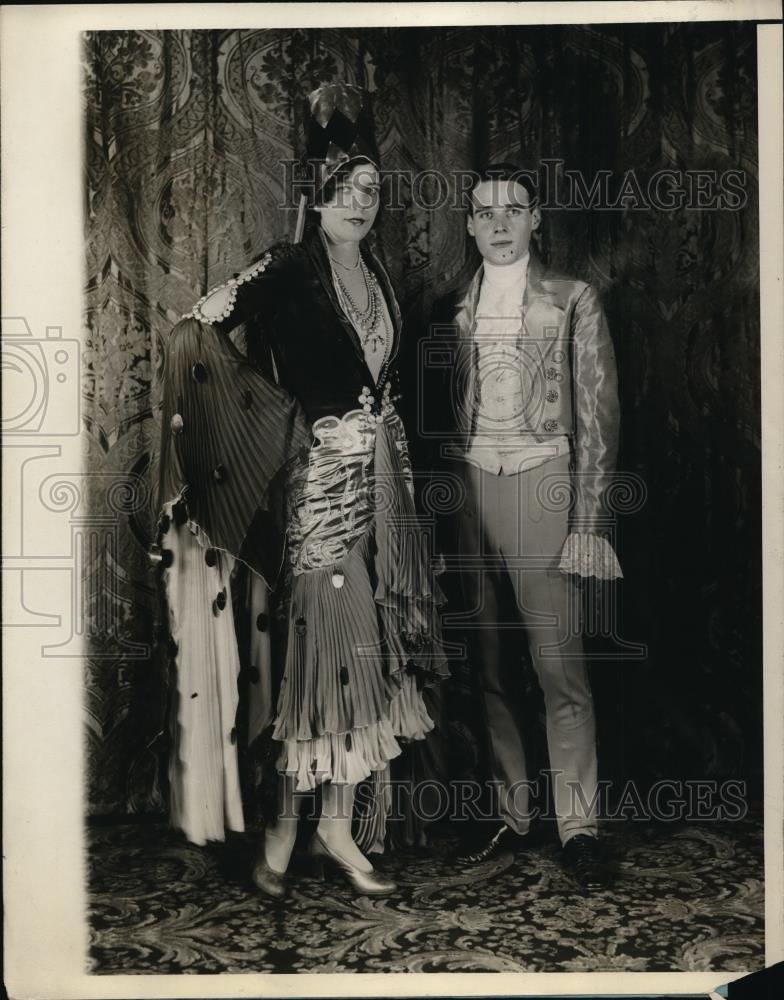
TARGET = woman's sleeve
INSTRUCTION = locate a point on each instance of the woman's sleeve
(229, 432)
(241, 296)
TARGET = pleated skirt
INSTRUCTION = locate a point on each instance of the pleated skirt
(363, 631)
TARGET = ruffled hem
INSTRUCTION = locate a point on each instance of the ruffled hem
(348, 758)
(342, 758)
(590, 555)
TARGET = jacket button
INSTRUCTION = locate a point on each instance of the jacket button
(199, 372)
(344, 675)
(210, 557)
(262, 621)
(219, 474)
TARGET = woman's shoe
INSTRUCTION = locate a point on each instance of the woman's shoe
(364, 883)
(270, 882)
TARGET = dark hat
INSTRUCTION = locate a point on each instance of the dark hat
(340, 129)
(339, 132)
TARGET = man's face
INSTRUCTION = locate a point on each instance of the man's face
(502, 220)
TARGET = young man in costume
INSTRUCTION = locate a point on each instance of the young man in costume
(533, 396)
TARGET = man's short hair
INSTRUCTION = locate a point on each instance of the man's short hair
(507, 172)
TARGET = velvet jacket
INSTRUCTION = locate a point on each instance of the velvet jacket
(297, 332)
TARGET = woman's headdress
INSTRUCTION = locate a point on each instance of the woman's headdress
(339, 131)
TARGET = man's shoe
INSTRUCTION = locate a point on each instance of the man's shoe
(501, 840)
(583, 857)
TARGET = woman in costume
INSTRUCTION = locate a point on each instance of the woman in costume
(292, 465)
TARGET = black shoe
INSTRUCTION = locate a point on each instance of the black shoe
(500, 840)
(583, 857)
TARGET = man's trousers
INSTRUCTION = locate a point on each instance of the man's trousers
(516, 526)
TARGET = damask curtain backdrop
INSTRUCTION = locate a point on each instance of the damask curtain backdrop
(185, 135)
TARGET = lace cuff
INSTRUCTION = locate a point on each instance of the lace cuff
(590, 555)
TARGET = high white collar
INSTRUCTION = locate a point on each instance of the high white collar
(506, 275)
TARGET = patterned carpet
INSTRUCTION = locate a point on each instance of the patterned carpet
(687, 898)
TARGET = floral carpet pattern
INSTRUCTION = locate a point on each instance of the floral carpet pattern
(686, 898)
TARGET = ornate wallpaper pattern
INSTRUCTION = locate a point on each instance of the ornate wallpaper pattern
(185, 133)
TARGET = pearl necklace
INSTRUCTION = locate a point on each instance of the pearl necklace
(371, 321)
(347, 267)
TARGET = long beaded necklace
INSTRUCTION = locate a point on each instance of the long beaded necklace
(371, 321)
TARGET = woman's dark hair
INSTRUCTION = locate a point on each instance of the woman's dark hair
(507, 172)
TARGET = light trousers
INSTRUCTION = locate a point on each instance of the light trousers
(515, 527)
